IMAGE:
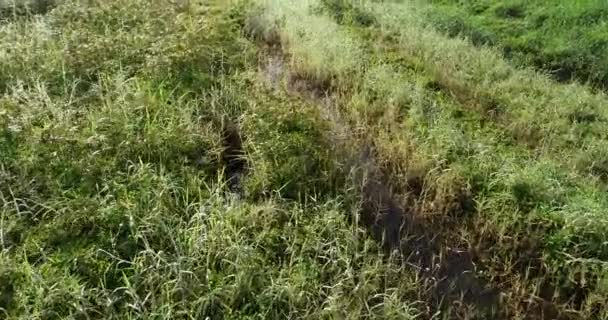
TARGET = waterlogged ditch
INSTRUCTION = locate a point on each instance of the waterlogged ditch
(346, 177)
(449, 275)
(442, 235)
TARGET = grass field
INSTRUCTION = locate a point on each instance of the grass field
(291, 160)
(568, 39)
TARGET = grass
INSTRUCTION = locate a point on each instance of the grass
(113, 198)
(461, 116)
(290, 159)
(567, 40)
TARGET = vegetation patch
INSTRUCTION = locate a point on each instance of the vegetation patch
(566, 40)
(300, 160)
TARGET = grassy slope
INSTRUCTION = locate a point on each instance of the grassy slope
(113, 193)
(565, 38)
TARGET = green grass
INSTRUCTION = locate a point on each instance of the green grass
(566, 39)
(234, 161)
(470, 123)
(113, 195)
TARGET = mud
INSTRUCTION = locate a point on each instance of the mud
(450, 276)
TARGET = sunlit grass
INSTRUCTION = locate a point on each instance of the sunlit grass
(117, 196)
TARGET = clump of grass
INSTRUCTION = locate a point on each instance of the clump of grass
(291, 157)
(13, 9)
(303, 33)
(344, 12)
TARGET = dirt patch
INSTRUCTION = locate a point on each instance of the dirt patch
(523, 275)
(380, 211)
(315, 90)
(451, 281)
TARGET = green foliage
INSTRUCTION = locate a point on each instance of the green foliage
(117, 196)
(532, 166)
(289, 151)
(345, 12)
(568, 40)
(113, 201)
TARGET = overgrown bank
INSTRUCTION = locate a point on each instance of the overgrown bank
(289, 159)
(121, 123)
(468, 126)
(565, 39)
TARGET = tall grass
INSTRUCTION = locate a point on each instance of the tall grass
(120, 122)
(565, 39)
(303, 33)
(113, 194)
(466, 121)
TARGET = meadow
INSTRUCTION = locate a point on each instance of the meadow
(567, 39)
(290, 159)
